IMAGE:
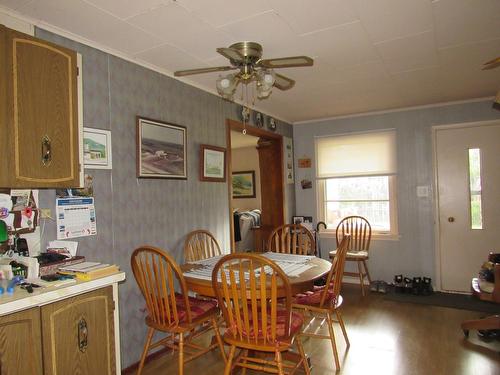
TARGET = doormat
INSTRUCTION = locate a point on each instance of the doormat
(451, 300)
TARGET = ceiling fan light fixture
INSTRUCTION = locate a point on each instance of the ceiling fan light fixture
(226, 86)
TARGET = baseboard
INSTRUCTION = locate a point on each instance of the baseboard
(132, 369)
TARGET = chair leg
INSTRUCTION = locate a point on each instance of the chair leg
(149, 337)
(219, 339)
(305, 364)
(279, 362)
(181, 353)
(332, 340)
(366, 272)
(342, 326)
(229, 363)
(361, 278)
(244, 369)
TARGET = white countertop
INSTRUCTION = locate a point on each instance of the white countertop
(22, 300)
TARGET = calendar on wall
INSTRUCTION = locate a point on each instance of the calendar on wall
(75, 217)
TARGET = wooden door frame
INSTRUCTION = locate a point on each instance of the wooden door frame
(437, 233)
(256, 132)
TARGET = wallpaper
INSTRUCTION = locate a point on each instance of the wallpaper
(160, 212)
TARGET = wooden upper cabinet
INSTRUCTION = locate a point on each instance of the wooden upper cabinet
(39, 109)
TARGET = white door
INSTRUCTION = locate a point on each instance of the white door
(467, 231)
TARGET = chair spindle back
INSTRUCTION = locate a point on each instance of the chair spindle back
(156, 273)
(200, 244)
(291, 239)
(360, 230)
(247, 288)
(334, 278)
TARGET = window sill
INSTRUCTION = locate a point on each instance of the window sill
(375, 237)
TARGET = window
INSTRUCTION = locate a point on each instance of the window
(476, 212)
(356, 175)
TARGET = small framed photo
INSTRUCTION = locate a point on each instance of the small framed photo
(161, 150)
(297, 219)
(243, 184)
(97, 148)
(212, 163)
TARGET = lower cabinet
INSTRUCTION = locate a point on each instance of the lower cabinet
(71, 336)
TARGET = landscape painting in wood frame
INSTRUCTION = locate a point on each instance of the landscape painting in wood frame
(243, 184)
(161, 149)
(212, 163)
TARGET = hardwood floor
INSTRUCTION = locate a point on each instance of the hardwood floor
(386, 338)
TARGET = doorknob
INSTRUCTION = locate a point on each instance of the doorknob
(451, 219)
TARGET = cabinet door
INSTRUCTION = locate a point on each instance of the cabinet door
(78, 335)
(20, 343)
(40, 99)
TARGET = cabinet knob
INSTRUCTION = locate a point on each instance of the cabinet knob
(451, 219)
(46, 150)
(82, 335)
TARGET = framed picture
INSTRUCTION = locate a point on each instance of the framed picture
(212, 163)
(96, 148)
(297, 219)
(161, 149)
(243, 184)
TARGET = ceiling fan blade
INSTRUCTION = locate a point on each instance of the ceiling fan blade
(231, 54)
(491, 64)
(182, 73)
(283, 83)
(287, 62)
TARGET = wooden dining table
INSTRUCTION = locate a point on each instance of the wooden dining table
(299, 284)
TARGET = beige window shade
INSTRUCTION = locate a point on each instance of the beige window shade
(365, 154)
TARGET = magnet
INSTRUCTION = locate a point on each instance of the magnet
(4, 212)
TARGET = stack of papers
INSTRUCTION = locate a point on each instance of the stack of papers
(89, 270)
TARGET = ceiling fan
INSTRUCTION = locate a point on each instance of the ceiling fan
(495, 63)
(246, 58)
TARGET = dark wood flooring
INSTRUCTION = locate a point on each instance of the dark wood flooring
(387, 338)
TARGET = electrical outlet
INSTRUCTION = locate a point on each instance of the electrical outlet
(45, 213)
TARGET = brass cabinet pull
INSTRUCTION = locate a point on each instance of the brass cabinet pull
(46, 150)
(82, 335)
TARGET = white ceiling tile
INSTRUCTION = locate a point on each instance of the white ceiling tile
(267, 29)
(222, 12)
(170, 58)
(464, 21)
(170, 22)
(203, 45)
(305, 16)
(14, 4)
(89, 22)
(470, 57)
(127, 8)
(390, 19)
(342, 46)
(409, 53)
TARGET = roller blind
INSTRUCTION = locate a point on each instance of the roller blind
(366, 154)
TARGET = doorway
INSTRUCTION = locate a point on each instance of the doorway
(468, 204)
(269, 148)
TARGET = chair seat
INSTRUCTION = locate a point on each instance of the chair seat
(486, 286)
(313, 298)
(353, 255)
(198, 306)
(296, 322)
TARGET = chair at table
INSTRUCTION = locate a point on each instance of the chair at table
(326, 300)
(361, 233)
(247, 288)
(486, 291)
(174, 313)
(200, 244)
(291, 239)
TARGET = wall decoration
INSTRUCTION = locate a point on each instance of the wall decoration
(243, 184)
(304, 162)
(271, 125)
(97, 148)
(288, 159)
(212, 163)
(245, 114)
(259, 120)
(161, 149)
(306, 184)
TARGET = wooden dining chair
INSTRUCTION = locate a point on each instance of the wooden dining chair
(248, 287)
(174, 313)
(200, 244)
(323, 302)
(291, 239)
(361, 233)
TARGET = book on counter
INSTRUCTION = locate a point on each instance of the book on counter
(89, 270)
